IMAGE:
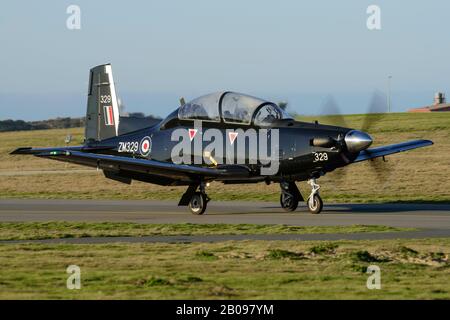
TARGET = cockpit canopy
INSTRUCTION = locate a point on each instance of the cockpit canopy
(232, 107)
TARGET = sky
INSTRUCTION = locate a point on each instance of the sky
(302, 52)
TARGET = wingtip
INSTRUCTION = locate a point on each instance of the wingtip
(24, 150)
(427, 142)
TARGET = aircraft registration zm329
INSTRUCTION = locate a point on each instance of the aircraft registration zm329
(228, 137)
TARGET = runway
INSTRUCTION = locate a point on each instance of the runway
(432, 219)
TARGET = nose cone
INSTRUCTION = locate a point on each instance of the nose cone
(357, 141)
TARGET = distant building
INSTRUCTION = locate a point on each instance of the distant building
(439, 104)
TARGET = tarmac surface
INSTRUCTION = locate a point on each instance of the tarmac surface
(433, 220)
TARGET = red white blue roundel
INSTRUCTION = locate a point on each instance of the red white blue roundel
(145, 146)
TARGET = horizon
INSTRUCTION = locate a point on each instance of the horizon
(131, 104)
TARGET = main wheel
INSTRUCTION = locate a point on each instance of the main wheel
(197, 205)
(315, 204)
(288, 201)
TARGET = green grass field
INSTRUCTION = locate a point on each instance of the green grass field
(414, 176)
(56, 230)
(410, 269)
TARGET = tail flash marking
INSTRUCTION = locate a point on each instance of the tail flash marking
(109, 115)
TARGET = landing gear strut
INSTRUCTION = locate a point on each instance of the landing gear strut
(290, 196)
(315, 203)
(196, 201)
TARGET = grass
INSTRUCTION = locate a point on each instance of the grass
(55, 230)
(284, 254)
(324, 248)
(410, 269)
(407, 180)
(365, 256)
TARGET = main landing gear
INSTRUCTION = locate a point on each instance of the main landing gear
(290, 196)
(195, 200)
(198, 202)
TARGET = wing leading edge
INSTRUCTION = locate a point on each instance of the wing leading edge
(137, 165)
(391, 149)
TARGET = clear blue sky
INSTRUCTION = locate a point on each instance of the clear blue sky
(299, 51)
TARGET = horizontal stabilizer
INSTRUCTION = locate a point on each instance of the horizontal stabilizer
(25, 150)
(58, 150)
(131, 124)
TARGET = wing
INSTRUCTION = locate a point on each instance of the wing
(82, 156)
(391, 149)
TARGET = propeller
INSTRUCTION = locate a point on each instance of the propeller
(332, 113)
(375, 113)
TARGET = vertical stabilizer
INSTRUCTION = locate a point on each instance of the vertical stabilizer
(102, 116)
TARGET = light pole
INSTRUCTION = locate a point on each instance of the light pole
(389, 94)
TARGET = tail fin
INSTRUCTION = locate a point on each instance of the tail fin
(102, 117)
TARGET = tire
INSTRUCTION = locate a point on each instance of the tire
(316, 205)
(197, 204)
(288, 201)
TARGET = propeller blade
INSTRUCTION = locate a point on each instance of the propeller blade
(382, 169)
(377, 110)
(332, 113)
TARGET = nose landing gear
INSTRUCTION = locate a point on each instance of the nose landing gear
(315, 203)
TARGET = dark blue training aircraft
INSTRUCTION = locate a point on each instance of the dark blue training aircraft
(224, 136)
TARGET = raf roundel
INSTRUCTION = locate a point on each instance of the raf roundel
(145, 146)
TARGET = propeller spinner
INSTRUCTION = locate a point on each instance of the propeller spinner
(356, 141)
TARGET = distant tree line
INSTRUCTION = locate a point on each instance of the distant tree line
(58, 123)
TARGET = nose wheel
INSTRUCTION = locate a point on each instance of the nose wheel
(315, 203)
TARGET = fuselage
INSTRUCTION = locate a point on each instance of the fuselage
(297, 158)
